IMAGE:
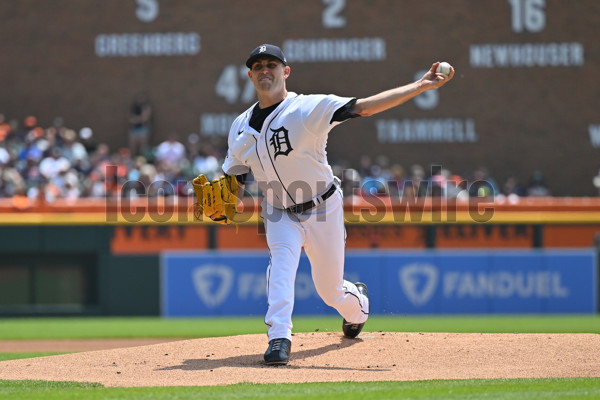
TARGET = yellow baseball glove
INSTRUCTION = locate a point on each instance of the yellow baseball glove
(217, 199)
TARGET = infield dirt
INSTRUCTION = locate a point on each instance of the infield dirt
(316, 357)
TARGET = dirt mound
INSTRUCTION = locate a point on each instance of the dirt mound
(324, 357)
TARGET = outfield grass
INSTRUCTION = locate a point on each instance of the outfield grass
(568, 388)
(155, 327)
(16, 356)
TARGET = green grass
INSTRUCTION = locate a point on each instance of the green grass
(154, 327)
(568, 388)
(16, 356)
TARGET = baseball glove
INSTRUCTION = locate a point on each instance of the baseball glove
(217, 199)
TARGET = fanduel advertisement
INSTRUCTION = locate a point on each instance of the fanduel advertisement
(424, 282)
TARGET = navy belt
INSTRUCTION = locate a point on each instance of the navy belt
(300, 208)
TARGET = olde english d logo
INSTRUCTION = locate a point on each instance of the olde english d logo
(418, 281)
(212, 283)
(280, 142)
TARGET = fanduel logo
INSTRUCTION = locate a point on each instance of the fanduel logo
(419, 282)
(212, 283)
(503, 284)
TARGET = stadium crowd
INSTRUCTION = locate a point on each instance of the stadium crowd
(60, 162)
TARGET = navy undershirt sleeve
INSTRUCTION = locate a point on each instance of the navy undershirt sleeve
(343, 113)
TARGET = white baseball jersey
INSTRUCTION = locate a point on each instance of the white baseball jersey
(288, 160)
(288, 157)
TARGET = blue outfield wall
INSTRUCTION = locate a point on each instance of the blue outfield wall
(400, 282)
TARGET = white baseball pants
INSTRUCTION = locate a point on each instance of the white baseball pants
(322, 233)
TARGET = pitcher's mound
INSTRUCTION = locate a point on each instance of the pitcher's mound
(324, 357)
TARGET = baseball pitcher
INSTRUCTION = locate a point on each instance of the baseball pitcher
(281, 139)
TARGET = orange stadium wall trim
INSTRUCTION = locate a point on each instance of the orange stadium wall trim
(533, 222)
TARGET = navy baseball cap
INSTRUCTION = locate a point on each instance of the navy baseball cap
(265, 50)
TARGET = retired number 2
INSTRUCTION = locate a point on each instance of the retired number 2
(331, 17)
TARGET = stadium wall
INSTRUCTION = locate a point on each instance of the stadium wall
(115, 269)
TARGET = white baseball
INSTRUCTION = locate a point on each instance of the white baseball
(443, 68)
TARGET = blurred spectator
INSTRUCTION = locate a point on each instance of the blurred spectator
(171, 151)
(596, 182)
(13, 125)
(33, 149)
(11, 182)
(140, 118)
(537, 186)
(101, 155)
(384, 164)
(55, 133)
(5, 128)
(396, 180)
(374, 183)
(416, 185)
(437, 181)
(86, 139)
(95, 185)
(456, 188)
(351, 182)
(365, 164)
(483, 185)
(71, 149)
(4, 156)
(59, 163)
(33, 179)
(512, 186)
(29, 125)
(52, 165)
(206, 162)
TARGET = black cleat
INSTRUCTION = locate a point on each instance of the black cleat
(278, 352)
(352, 330)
